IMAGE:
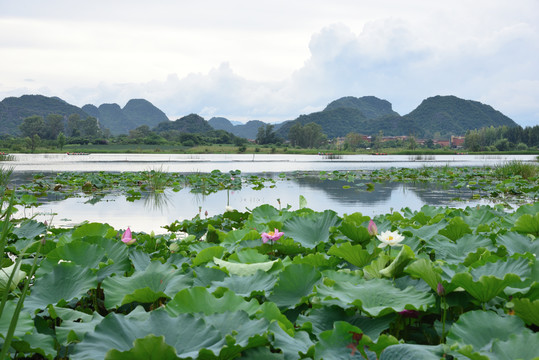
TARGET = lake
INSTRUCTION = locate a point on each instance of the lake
(156, 210)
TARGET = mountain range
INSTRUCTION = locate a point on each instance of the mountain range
(438, 115)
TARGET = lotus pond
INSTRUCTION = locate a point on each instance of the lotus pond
(274, 282)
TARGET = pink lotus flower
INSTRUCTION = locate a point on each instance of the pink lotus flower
(372, 228)
(271, 236)
(127, 238)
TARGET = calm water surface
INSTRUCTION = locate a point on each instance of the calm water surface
(156, 210)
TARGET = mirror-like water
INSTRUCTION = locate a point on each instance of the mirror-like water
(156, 210)
(247, 163)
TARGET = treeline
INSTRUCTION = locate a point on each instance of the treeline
(502, 138)
(56, 131)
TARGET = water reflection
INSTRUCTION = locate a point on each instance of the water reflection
(156, 209)
(157, 201)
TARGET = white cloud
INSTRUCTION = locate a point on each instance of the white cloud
(273, 60)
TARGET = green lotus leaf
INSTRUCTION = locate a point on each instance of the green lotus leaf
(312, 229)
(5, 274)
(243, 269)
(205, 276)
(241, 333)
(262, 353)
(149, 347)
(295, 284)
(424, 269)
(527, 224)
(347, 275)
(66, 281)
(376, 297)
(427, 232)
(119, 332)
(199, 300)
(527, 310)
(344, 341)
(456, 252)
(249, 256)
(75, 325)
(413, 351)
(321, 319)
(395, 268)
(139, 258)
(208, 254)
(352, 229)
(271, 312)
(523, 346)
(260, 283)
(291, 346)
(516, 243)
(117, 256)
(372, 271)
(97, 230)
(42, 344)
(266, 213)
(77, 252)
(354, 254)
(29, 229)
(487, 281)
(25, 325)
(473, 333)
(157, 281)
(318, 260)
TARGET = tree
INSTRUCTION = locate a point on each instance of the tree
(32, 125)
(266, 135)
(54, 125)
(61, 140)
(89, 127)
(73, 124)
(308, 136)
(32, 142)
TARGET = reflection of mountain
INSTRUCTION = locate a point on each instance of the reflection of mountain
(429, 193)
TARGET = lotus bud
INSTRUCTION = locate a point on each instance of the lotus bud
(372, 228)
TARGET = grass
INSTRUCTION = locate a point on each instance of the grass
(5, 175)
(514, 168)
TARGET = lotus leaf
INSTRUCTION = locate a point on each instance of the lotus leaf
(259, 283)
(523, 346)
(487, 281)
(527, 224)
(295, 284)
(156, 281)
(527, 310)
(516, 243)
(311, 229)
(243, 269)
(395, 268)
(376, 297)
(149, 347)
(24, 326)
(293, 347)
(5, 274)
(187, 334)
(68, 280)
(413, 351)
(354, 254)
(474, 332)
(199, 300)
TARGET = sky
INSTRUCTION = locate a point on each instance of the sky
(272, 60)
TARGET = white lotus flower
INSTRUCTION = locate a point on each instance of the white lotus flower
(391, 238)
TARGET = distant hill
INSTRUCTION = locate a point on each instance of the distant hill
(447, 115)
(13, 110)
(247, 131)
(192, 123)
(135, 113)
(452, 115)
(370, 106)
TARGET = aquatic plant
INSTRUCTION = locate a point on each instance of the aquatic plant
(462, 285)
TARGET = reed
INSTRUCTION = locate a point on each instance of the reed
(514, 168)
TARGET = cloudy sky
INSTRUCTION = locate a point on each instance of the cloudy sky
(272, 59)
